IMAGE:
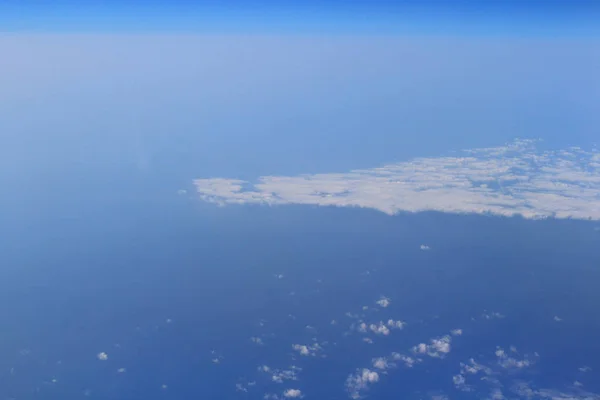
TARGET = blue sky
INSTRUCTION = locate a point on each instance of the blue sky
(176, 91)
(331, 16)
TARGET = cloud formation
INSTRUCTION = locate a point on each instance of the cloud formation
(515, 179)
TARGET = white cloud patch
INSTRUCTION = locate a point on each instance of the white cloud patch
(307, 350)
(102, 356)
(456, 332)
(383, 302)
(292, 393)
(524, 390)
(425, 247)
(507, 362)
(379, 329)
(437, 348)
(408, 361)
(515, 179)
(360, 381)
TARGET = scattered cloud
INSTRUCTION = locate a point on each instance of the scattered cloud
(307, 350)
(437, 348)
(425, 247)
(280, 375)
(557, 318)
(456, 332)
(383, 302)
(292, 393)
(492, 315)
(360, 381)
(102, 356)
(509, 180)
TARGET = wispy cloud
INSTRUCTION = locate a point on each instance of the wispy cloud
(515, 179)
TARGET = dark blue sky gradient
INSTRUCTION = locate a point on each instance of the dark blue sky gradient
(328, 16)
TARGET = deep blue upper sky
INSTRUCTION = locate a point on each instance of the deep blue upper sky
(333, 16)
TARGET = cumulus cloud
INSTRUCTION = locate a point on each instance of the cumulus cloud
(437, 347)
(456, 332)
(379, 329)
(383, 302)
(102, 356)
(360, 381)
(424, 247)
(292, 393)
(307, 350)
(507, 362)
(408, 361)
(515, 179)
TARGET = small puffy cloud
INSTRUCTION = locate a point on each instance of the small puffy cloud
(438, 347)
(395, 324)
(585, 369)
(408, 361)
(102, 356)
(383, 302)
(381, 363)
(557, 318)
(307, 350)
(360, 381)
(379, 329)
(424, 247)
(456, 332)
(292, 393)
(121, 370)
(509, 362)
(368, 340)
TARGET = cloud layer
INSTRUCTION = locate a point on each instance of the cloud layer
(515, 179)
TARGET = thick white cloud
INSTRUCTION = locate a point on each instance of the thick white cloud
(102, 356)
(515, 179)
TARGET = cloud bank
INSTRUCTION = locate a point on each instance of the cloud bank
(515, 179)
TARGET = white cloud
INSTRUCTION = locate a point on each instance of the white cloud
(292, 393)
(395, 324)
(381, 363)
(557, 318)
(384, 302)
(509, 362)
(368, 340)
(102, 356)
(425, 247)
(408, 361)
(438, 347)
(515, 179)
(456, 332)
(279, 375)
(307, 350)
(360, 381)
(121, 370)
(379, 329)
